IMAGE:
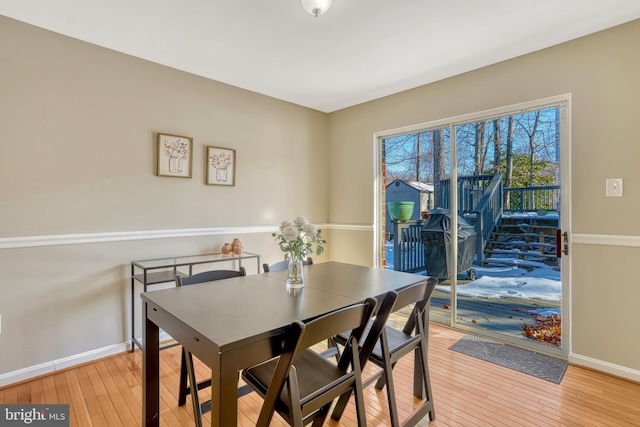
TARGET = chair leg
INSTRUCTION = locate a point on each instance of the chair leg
(427, 381)
(387, 379)
(294, 396)
(357, 384)
(340, 406)
(383, 378)
(197, 409)
(391, 393)
(418, 374)
(183, 386)
(321, 415)
(360, 408)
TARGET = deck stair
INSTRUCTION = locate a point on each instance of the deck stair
(523, 232)
(524, 238)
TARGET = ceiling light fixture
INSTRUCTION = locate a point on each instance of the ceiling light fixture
(316, 7)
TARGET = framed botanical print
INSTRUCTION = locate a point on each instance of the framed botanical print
(221, 166)
(175, 155)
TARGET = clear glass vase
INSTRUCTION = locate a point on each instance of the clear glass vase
(295, 277)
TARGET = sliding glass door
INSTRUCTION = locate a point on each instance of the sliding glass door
(485, 191)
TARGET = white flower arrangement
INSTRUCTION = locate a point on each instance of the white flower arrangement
(297, 237)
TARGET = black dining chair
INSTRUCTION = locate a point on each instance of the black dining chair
(300, 384)
(187, 371)
(283, 265)
(331, 350)
(394, 344)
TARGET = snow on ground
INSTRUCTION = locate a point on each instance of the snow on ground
(512, 281)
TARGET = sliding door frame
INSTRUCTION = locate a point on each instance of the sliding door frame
(563, 102)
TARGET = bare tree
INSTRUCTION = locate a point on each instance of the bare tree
(508, 173)
(479, 156)
(438, 164)
(497, 146)
(400, 157)
(418, 156)
(532, 145)
(426, 157)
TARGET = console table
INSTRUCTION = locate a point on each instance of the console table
(164, 270)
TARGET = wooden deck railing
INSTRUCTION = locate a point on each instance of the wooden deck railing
(532, 199)
(481, 196)
(470, 191)
(488, 212)
(408, 250)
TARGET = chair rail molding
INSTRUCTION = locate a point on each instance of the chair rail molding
(120, 236)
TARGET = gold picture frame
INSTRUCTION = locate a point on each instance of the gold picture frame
(221, 166)
(175, 155)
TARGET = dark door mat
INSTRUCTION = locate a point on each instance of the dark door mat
(539, 365)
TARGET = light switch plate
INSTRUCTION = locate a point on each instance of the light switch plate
(614, 187)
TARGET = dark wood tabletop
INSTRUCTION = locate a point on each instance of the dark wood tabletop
(234, 323)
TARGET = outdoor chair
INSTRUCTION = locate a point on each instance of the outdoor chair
(394, 344)
(300, 384)
(187, 370)
(283, 265)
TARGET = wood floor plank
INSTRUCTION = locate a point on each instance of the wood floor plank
(37, 393)
(90, 396)
(118, 402)
(10, 395)
(124, 390)
(63, 391)
(467, 392)
(78, 405)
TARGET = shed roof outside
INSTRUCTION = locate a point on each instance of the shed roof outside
(420, 186)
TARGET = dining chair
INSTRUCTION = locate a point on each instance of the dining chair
(187, 371)
(283, 265)
(331, 350)
(300, 384)
(393, 344)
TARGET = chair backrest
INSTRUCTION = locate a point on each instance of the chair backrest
(354, 318)
(282, 265)
(420, 294)
(209, 276)
(384, 309)
(301, 336)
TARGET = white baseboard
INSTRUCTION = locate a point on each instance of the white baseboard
(68, 362)
(609, 368)
(56, 365)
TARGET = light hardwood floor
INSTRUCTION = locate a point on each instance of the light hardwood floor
(467, 392)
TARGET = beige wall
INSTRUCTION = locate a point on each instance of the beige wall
(601, 72)
(78, 156)
(79, 145)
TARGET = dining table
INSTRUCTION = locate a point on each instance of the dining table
(236, 323)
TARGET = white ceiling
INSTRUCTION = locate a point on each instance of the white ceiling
(358, 51)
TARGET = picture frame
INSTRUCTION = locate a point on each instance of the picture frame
(221, 166)
(174, 155)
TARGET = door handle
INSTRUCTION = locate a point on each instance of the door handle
(562, 243)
